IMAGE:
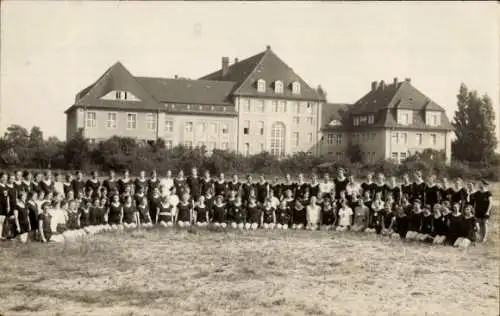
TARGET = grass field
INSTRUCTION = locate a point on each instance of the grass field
(199, 272)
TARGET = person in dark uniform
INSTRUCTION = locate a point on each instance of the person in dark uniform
(154, 203)
(139, 195)
(234, 185)
(328, 215)
(314, 186)
(111, 184)
(301, 187)
(340, 182)
(194, 184)
(130, 215)
(381, 187)
(93, 183)
(289, 185)
(95, 213)
(253, 212)
(78, 185)
(468, 229)
(446, 191)
(84, 214)
(483, 208)
(166, 213)
(277, 189)
(432, 192)
(20, 218)
(45, 223)
(124, 181)
(153, 183)
(33, 212)
(115, 212)
(262, 190)
(268, 216)
(368, 186)
(67, 185)
(144, 215)
(395, 191)
(418, 189)
(180, 182)
(4, 202)
(237, 213)
(201, 213)
(282, 215)
(458, 194)
(456, 222)
(206, 183)
(414, 220)
(26, 182)
(440, 226)
(400, 223)
(247, 188)
(184, 211)
(18, 182)
(219, 212)
(299, 215)
(220, 186)
(47, 184)
(407, 187)
(425, 233)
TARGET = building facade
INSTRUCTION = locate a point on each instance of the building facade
(391, 121)
(254, 105)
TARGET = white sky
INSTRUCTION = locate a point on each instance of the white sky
(51, 50)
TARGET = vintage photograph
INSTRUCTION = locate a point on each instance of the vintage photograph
(249, 158)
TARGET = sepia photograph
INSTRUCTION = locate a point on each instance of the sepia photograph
(249, 158)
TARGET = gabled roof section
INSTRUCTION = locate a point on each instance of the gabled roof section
(331, 112)
(269, 67)
(117, 77)
(188, 91)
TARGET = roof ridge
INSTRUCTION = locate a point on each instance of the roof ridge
(266, 53)
(398, 88)
(100, 78)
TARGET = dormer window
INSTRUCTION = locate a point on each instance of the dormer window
(278, 86)
(405, 117)
(371, 119)
(261, 85)
(296, 87)
(356, 121)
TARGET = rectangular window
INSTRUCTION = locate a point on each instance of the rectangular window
(419, 139)
(151, 121)
(371, 119)
(111, 122)
(200, 128)
(281, 106)
(296, 120)
(225, 128)
(310, 138)
(356, 121)
(402, 157)
(363, 119)
(338, 156)
(329, 139)
(394, 137)
(295, 106)
(91, 119)
(394, 156)
(275, 106)
(338, 139)
(245, 105)
(261, 147)
(433, 139)
(188, 144)
(169, 144)
(225, 146)
(435, 120)
(213, 128)
(188, 127)
(261, 127)
(169, 126)
(246, 128)
(295, 138)
(259, 105)
(131, 120)
(403, 138)
(309, 120)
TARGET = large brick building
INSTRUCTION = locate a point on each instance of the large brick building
(259, 104)
(391, 121)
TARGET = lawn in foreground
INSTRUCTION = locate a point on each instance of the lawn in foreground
(172, 272)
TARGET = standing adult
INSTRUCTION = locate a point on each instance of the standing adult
(484, 205)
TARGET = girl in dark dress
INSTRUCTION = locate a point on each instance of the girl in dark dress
(395, 191)
(377, 216)
(432, 192)
(154, 200)
(20, 216)
(238, 213)
(400, 223)
(47, 185)
(141, 183)
(299, 215)
(425, 233)
(368, 186)
(456, 224)
(166, 213)
(253, 214)
(26, 182)
(96, 213)
(115, 212)
(445, 190)
(84, 215)
(234, 185)
(130, 215)
(184, 211)
(440, 227)
(124, 182)
(180, 182)
(328, 215)
(262, 188)
(381, 187)
(268, 217)
(340, 182)
(282, 215)
(407, 188)
(388, 215)
(314, 186)
(201, 213)
(301, 187)
(73, 216)
(220, 186)
(206, 183)
(418, 188)
(103, 219)
(458, 194)
(289, 185)
(93, 183)
(469, 228)
(33, 212)
(219, 212)
(44, 223)
(139, 195)
(144, 216)
(153, 184)
(414, 221)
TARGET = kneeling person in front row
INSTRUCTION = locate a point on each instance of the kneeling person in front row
(345, 217)
(166, 212)
(313, 213)
(238, 215)
(268, 219)
(219, 212)
(184, 211)
(201, 213)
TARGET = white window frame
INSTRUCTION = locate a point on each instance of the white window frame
(403, 137)
(295, 107)
(371, 119)
(150, 121)
(188, 127)
(296, 87)
(396, 155)
(433, 139)
(420, 138)
(402, 157)
(355, 121)
(261, 85)
(129, 121)
(395, 138)
(200, 128)
(225, 128)
(296, 120)
(309, 138)
(169, 125)
(169, 144)
(278, 86)
(338, 139)
(213, 128)
(246, 127)
(91, 122)
(261, 128)
(246, 104)
(259, 105)
(112, 124)
(295, 139)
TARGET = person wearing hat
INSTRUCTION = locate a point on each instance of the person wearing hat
(483, 207)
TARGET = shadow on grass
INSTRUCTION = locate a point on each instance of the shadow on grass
(27, 308)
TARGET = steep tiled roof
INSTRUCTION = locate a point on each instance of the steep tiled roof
(269, 67)
(333, 111)
(188, 91)
(383, 102)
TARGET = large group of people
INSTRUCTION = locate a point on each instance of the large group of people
(43, 206)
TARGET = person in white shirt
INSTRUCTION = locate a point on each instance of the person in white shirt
(173, 199)
(313, 214)
(166, 184)
(345, 217)
(275, 202)
(326, 186)
(58, 186)
(352, 188)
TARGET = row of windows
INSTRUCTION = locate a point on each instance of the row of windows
(111, 122)
(398, 157)
(209, 145)
(364, 119)
(402, 138)
(260, 125)
(278, 86)
(278, 106)
(334, 139)
(296, 138)
(201, 128)
(358, 138)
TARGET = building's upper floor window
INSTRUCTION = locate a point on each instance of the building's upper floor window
(150, 121)
(405, 117)
(278, 86)
(188, 127)
(355, 121)
(363, 119)
(310, 120)
(213, 128)
(261, 127)
(169, 144)
(259, 105)
(310, 138)
(433, 139)
(295, 107)
(245, 104)
(121, 95)
(296, 87)
(225, 128)
(91, 119)
(295, 138)
(419, 139)
(132, 120)
(371, 119)
(246, 127)
(169, 126)
(310, 108)
(200, 128)
(281, 106)
(433, 118)
(111, 122)
(261, 85)
(296, 120)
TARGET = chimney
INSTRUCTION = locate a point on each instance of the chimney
(268, 47)
(395, 80)
(236, 60)
(225, 65)
(382, 84)
(374, 85)
(408, 80)
(176, 77)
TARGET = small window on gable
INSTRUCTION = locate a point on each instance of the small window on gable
(296, 87)
(278, 86)
(261, 85)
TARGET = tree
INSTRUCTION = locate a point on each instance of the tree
(474, 124)
(77, 152)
